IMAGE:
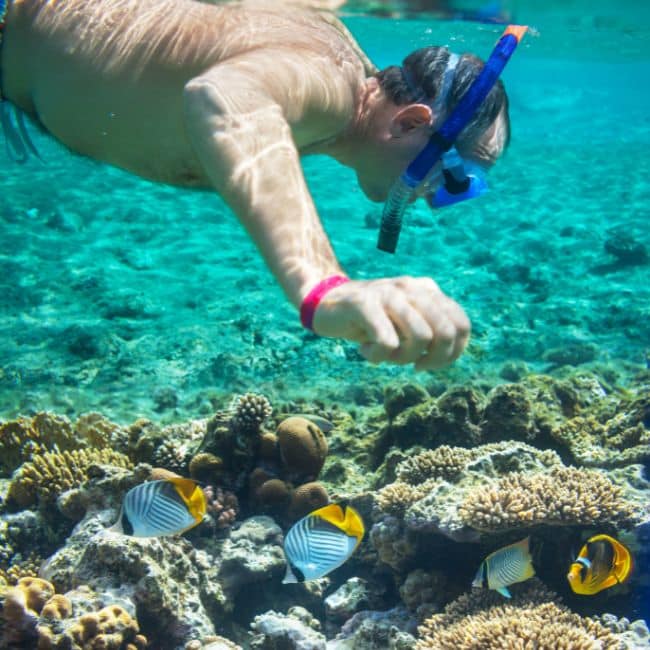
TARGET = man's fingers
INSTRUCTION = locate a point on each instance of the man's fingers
(451, 333)
(414, 331)
(380, 333)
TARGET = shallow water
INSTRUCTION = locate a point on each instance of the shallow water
(139, 300)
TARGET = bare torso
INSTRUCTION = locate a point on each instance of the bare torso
(106, 77)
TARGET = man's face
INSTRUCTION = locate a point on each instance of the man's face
(386, 159)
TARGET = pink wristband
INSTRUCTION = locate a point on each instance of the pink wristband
(313, 298)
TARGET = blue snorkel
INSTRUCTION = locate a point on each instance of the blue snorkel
(458, 186)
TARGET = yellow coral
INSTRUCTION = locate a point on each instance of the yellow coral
(20, 439)
(26, 569)
(51, 473)
(531, 620)
(564, 495)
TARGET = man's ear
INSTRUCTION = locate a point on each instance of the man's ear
(410, 118)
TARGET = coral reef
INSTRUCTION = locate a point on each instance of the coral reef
(49, 474)
(34, 616)
(561, 496)
(302, 447)
(532, 619)
(251, 411)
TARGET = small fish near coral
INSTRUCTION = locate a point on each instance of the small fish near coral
(321, 542)
(167, 506)
(505, 567)
(601, 563)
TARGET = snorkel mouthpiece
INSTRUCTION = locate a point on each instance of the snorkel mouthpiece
(443, 140)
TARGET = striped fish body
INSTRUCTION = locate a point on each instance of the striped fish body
(321, 542)
(163, 507)
(506, 566)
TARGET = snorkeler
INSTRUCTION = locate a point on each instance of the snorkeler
(229, 97)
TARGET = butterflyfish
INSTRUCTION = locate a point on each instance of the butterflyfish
(321, 542)
(505, 567)
(601, 563)
(164, 507)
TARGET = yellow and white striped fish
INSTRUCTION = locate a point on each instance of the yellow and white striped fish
(165, 507)
(321, 542)
(505, 567)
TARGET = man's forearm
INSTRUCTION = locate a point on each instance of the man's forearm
(253, 163)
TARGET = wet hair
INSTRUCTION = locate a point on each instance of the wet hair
(420, 77)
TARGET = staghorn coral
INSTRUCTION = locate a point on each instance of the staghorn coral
(250, 412)
(532, 619)
(303, 448)
(49, 474)
(561, 496)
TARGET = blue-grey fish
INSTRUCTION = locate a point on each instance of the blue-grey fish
(165, 507)
(324, 425)
(505, 567)
(321, 542)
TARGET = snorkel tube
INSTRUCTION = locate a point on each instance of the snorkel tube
(443, 139)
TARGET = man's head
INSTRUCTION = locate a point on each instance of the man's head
(411, 101)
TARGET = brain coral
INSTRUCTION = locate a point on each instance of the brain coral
(303, 448)
(50, 473)
(532, 619)
(563, 495)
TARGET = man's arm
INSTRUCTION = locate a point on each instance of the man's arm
(243, 117)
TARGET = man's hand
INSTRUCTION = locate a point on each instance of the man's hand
(400, 320)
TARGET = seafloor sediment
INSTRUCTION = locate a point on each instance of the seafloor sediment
(440, 478)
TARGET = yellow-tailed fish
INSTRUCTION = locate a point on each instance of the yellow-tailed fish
(321, 542)
(165, 507)
(505, 567)
(602, 563)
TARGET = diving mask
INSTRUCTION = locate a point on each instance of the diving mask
(460, 180)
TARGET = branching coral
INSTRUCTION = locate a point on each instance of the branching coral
(395, 498)
(24, 437)
(443, 462)
(49, 474)
(564, 495)
(533, 619)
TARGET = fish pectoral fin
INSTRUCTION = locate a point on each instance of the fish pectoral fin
(504, 591)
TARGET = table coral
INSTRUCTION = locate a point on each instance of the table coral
(49, 474)
(563, 495)
(532, 619)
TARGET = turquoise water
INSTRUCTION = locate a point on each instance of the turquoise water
(128, 297)
(139, 300)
